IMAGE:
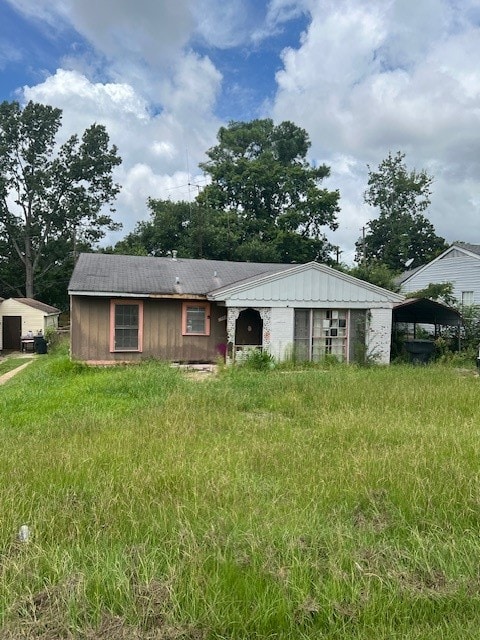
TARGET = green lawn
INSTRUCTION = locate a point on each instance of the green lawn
(339, 503)
(8, 364)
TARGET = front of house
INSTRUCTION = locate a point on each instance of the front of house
(127, 308)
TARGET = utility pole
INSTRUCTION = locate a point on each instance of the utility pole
(364, 248)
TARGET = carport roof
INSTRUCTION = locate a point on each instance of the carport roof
(425, 311)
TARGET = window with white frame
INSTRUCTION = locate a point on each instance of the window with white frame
(126, 322)
(467, 298)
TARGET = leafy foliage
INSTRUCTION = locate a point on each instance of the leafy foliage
(51, 198)
(193, 230)
(401, 232)
(258, 360)
(261, 177)
(264, 202)
(437, 291)
(376, 273)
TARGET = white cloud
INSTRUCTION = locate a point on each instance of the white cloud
(159, 151)
(148, 29)
(279, 12)
(372, 77)
(221, 24)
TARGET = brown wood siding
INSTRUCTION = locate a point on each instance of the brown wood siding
(162, 332)
(89, 328)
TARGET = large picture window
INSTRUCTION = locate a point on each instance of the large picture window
(126, 325)
(196, 319)
(320, 332)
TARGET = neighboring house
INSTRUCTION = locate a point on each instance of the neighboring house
(125, 308)
(19, 316)
(459, 264)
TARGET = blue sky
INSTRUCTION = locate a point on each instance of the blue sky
(363, 77)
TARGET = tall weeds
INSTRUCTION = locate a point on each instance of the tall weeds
(339, 503)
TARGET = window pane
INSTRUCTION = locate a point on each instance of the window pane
(467, 297)
(126, 339)
(196, 319)
(126, 326)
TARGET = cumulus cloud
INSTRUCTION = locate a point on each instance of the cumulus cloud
(159, 150)
(372, 77)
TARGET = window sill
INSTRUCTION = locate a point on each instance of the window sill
(196, 334)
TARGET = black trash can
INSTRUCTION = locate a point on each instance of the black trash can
(39, 344)
(419, 351)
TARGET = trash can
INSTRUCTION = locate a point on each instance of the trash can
(39, 344)
(419, 351)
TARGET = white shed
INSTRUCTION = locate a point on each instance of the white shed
(20, 317)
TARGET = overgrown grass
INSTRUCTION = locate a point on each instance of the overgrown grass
(339, 503)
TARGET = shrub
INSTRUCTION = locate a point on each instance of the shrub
(259, 360)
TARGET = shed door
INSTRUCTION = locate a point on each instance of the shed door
(11, 332)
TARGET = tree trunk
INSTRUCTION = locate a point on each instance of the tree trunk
(28, 267)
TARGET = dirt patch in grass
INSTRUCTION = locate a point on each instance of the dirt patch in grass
(198, 372)
(45, 615)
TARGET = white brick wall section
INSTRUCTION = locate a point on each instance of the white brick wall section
(281, 332)
(379, 335)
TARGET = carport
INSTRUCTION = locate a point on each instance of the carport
(422, 311)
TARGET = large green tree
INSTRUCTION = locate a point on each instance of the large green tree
(267, 195)
(52, 196)
(191, 229)
(401, 235)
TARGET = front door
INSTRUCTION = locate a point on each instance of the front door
(11, 332)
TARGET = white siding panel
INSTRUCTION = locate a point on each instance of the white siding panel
(281, 332)
(307, 287)
(379, 335)
(461, 270)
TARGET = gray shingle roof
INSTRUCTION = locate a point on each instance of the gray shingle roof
(406, 274)
(111, 273)
(473, 248)
(36, 304)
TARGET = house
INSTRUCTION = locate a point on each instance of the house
(459, 264)
(125, 308)
(21, 316)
